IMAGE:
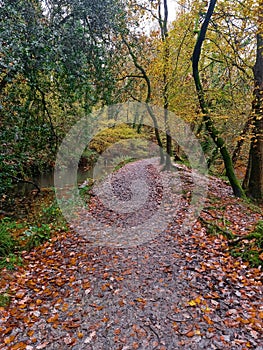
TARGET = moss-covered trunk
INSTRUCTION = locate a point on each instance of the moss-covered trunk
(213, 132)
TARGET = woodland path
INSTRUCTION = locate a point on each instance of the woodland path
(176, 290)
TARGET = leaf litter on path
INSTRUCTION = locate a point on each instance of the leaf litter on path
(179, 290)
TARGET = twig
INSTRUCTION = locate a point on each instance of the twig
(253, 235)
(212, 226)
(26, 181)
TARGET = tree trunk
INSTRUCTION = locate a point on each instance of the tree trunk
(163, 23)
(255, 164)
(213, 132)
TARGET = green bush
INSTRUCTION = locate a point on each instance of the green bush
(51, 215)
(35, 235)
(7, 243)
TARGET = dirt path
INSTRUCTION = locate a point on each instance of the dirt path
(175, 290)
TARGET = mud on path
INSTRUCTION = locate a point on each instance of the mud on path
(160, 287)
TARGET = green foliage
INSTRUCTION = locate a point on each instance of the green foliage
(10, 261)
(16, 236)
(7, 243)
(50, 214)
(4, 299)
(251, 247)
(90, 156)
(36, 235)
(9, 247)
(110, 136)
(84, 189)
(54, 70)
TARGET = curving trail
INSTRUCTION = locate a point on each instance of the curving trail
(173, 289)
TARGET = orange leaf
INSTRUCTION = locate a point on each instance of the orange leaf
(9, 340)
(64, 307)
(190, 334)
(59, 282)
(7, 330)
(30, 333)
(44, 310)
(198, 300)
(208, 320)
(20, 295)
(19, 346)
(105, 319)
(175, 326)
(141, 300)
(52, 318)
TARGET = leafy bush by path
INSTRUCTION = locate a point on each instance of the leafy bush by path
(8, 245)
(35, 235)
(17, 236)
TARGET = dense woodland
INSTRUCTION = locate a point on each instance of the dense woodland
(60, 60)
(193, 283)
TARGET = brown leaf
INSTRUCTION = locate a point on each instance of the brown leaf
(9, 340)
(208, 320)
(19, 346)
(53, 318)
(20, 294)
(190, 334)
(42, 346)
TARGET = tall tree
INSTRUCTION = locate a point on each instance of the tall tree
(218, 140)
(56, 64)
(163, 23)
(254, 176)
